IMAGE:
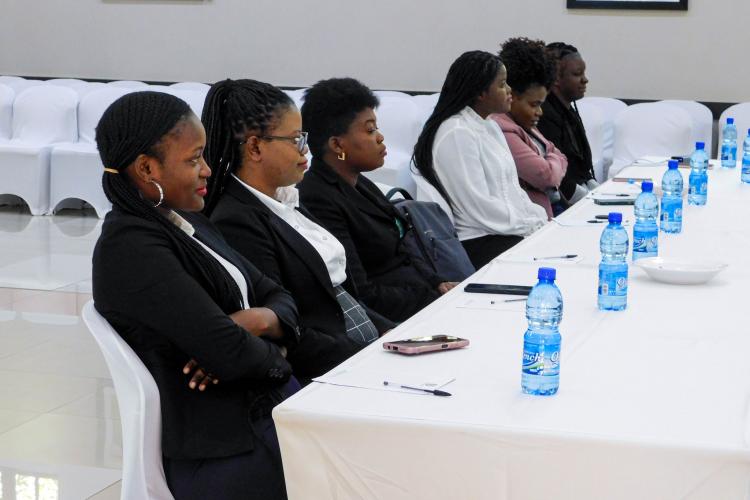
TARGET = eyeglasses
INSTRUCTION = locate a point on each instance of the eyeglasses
(298, 140)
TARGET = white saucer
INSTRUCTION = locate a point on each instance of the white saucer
(680, 272)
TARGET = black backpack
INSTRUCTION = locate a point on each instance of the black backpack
(432, 239)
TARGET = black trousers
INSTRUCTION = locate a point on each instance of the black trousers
(485, 248)
(257, 475)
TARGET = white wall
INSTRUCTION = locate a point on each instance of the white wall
(398, 44)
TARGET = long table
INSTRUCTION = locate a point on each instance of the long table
(653, 401)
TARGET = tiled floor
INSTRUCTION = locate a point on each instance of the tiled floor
(59, 422)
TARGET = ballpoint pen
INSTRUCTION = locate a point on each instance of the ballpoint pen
(568, 256)
(436, 392)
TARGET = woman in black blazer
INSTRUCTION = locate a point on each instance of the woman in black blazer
(257, 148)
(339, 115)
(181, 297)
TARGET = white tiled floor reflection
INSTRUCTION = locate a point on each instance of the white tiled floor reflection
(59, 422)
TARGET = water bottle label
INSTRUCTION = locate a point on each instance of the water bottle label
(728, 153)
(541, 359)
(698, 185)
(671, 210)
(645, 241)
(613, 283)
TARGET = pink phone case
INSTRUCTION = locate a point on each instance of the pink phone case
(401, 348)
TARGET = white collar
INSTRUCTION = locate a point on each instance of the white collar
(180, 222)
(286, 197)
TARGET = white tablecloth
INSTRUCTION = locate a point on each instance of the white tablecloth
(653, 401)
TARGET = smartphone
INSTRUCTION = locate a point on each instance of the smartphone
(419, 345)
(614, 201)
(498, 289)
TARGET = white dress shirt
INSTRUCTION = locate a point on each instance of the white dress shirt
(328, 247)
(473, 162)
(233, 271)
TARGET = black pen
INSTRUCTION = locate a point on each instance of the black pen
(551, 257)
(595, 221)
(436, 392)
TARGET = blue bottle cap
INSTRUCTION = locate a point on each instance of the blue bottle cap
(730, 121)
(673, 164)
(647, 186)
(615, 217)
(700, 145)
(546, 273)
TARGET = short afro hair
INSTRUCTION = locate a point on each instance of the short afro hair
(528, 64)
(330, 107)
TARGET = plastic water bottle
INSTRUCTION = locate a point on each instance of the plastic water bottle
(729, 145)
(746, 159)
(645, 230)
(671, 199)
(698, 181)
(613, 269)
(540, 372)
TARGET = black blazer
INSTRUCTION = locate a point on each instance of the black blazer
(285, 256)
(150, 291)
(364, 221)
(564, 128)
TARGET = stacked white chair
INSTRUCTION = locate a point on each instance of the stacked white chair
(297, 95)
(392, 94)
(651, 129)
(600, 134)
(609, 109)
(128, 84)
(398, 121)
(7, 96)
(19, 84)
(76, 169)
(81, 87)
(741, 114)
(140, 412)
(427, 192)
(42, 116)
(425, 104)
(201, 87)
(701, 118)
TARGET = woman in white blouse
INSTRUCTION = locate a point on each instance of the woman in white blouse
(256, 147)
(465, 156)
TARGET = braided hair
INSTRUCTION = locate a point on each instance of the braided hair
(528, 64)
(330, 107)
(558, 51)
(468, 77)
(138, 123)
(234, 109)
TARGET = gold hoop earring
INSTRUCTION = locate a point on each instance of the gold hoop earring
(342, 156)
(161, 192)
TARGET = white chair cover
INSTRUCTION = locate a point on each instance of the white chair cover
(609, 108)
(651, 129)
(297, 95)
(128, 84)
(81, 87)
(425, 104)
(7, 96)
(398, 121)
(195, 98)
(201, 87)
(600, 134)
(741, 114)
(19, 84)
(75, 167)
(702, 120)
(140, 412)
(42, 116)
(426, 192)
(391, 94)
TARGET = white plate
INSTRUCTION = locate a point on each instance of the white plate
(680, 272)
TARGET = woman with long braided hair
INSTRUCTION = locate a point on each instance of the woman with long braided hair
(463, 153)
(256, 146)
(194, 311)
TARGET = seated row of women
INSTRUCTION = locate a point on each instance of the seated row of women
(286, 274)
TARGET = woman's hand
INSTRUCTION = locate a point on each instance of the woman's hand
(201, 378)
(260, 321)
(446, 286)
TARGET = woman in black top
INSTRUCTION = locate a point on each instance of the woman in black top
(562, 124)
(339, 116)
(257, 147)
(181, 297)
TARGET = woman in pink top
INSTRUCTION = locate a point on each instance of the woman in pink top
(541, 166)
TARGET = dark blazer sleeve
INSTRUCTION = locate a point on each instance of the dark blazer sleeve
(551, 125)
(379, 296)
(144, 288)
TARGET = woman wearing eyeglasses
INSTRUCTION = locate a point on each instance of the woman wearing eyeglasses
(256, 146)
(339, 115)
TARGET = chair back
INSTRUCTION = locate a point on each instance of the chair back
(45, 114)
(140, 412)
(7, 96)
(599, 133)
(701, 118)
(741, 114)
(93, 106)
(651, 129)
(201, 87)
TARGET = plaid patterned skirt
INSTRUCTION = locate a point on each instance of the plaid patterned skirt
(358, 325)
